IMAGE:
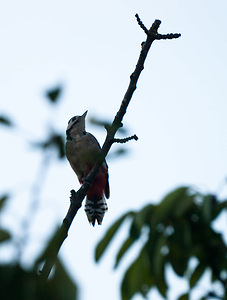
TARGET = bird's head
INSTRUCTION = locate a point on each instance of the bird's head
(76, 126)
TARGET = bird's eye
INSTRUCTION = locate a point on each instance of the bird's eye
(72, 119)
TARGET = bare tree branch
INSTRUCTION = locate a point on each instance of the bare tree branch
(141, 24)
(77, 197)
(168, 36)
(125, 140)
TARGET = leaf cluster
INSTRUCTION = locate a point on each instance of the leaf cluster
(4, 234)
(19, 283)
(53, 95)
(4, 120)
(179, 228)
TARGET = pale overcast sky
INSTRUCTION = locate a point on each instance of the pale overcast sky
(178, 112)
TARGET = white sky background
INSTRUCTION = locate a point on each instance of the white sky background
(178, 112)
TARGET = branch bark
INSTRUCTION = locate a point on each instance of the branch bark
(76, 198)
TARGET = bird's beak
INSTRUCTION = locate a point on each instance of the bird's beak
(84, 115)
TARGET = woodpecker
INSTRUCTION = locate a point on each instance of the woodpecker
(82, 150)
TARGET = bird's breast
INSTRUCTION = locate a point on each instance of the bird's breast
(81, 155)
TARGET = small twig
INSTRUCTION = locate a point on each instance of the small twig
(142, 26)
(125, 140)
(168, 36)
(154, 29)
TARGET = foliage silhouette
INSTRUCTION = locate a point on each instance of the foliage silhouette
(179, 228)
(18, 282)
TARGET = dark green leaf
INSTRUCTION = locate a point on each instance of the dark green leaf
(103, 244)
(168, 206)
(123, 249)
(207, 208)
(20, 284)
(61, 286)
(59, 142)
(138, 278)
(119, 152)
(197, 273)
(178, 252)
(219, 208)
(184, 206)
(4, 235)
(183, 234)
(5, 121)
(160, 283)
(54, 94)
(184, 297)
(159, 259)
(145, 215)
(54, 141)
(198, 251)
(3, 200)
(17, 283)
(154, 247)
(178, 262)
(135, 228)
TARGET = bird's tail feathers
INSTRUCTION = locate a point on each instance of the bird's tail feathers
(95, 210)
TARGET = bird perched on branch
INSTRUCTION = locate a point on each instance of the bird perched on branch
(82, 150)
